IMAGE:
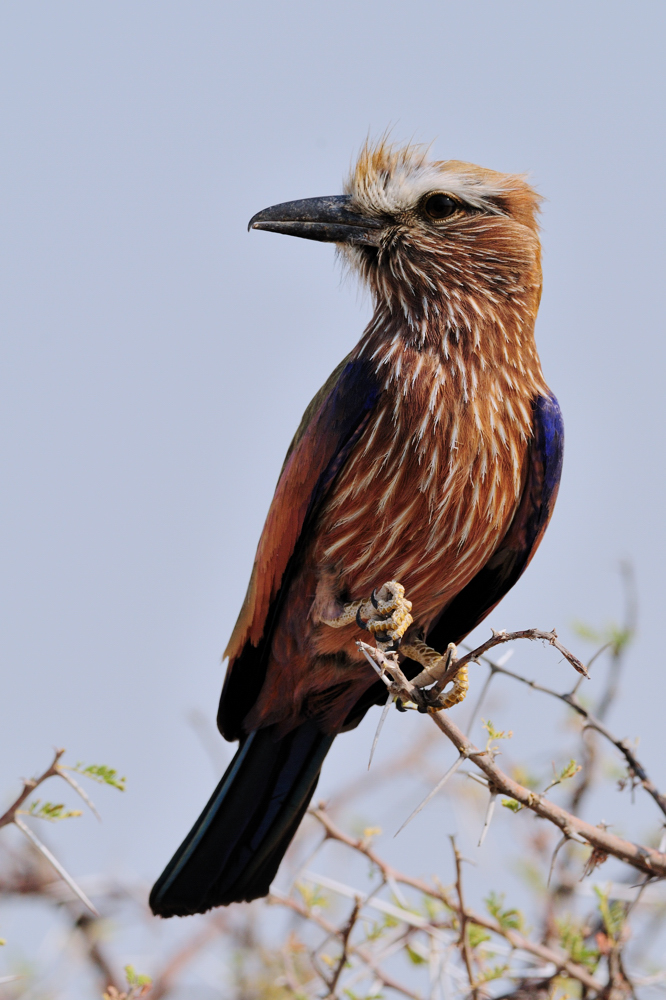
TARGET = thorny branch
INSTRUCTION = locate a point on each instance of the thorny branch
(457, 932)
(645, 859)
(344, 939)
(312, 915)
(592, 722)
(12, 816)
(29, 785)
(498, 638)
(450, 665)
(517, 940)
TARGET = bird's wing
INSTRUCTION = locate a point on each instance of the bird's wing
(328, 431)
(511, 558)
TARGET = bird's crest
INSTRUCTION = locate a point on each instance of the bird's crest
(388, 178)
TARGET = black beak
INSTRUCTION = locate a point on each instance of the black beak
(330, 220)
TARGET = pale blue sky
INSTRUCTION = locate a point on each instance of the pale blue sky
(157, 357)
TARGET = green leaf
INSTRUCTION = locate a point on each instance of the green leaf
(101, 773)
(587, 632)
(568, 771)
(572, 939)
(414, 956)
(512, 804)
(524, 777)
(313, 895)
(433, 908)
(615, 636)
(494, 972)
(476, 934)
(495, 734)
(509, 919)
(52, 811)
(373, 929)
(134, 980)
(613, 914)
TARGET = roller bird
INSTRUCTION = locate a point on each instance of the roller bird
(414, 494)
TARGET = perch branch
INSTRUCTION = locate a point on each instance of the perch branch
(592, 722)
(645, 859)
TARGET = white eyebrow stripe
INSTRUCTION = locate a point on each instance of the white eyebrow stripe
(406, 186)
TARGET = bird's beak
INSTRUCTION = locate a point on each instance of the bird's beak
(330, 220)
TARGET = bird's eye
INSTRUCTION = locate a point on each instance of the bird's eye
(440, 206)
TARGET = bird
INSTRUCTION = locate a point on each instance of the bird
(413, 495)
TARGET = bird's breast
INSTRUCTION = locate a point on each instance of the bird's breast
(430, 487)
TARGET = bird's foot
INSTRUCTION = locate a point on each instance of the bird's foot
(436, 665)
(386, 615)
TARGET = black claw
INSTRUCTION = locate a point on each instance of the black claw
(375, 602)
(399, 705)
(359, 620)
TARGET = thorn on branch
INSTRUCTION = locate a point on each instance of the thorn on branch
(559, 845)
(438, 787)
(53, 861)
(489, 815)
(380, 725)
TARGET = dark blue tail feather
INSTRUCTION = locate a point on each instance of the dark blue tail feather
(233, 851)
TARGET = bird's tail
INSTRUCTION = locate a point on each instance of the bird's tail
(233, 851)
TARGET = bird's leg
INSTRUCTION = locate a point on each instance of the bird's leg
(436, 666)
(386, 615)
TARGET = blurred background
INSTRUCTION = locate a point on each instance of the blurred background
(157, 357)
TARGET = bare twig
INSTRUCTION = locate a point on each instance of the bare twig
(645, 859)
(29, 785)
(11, 816)
(591, 722)
(561, 842)
(480, 700)
(618, 648)
(529, 633)
(81, 792)
(462, 916)
(344, 936)
(388, 981)
(561, 962)
(87, 927)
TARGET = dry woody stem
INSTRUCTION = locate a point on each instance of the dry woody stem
(517, 940)
(645, 859)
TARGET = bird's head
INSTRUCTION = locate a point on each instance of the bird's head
(419, 231)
